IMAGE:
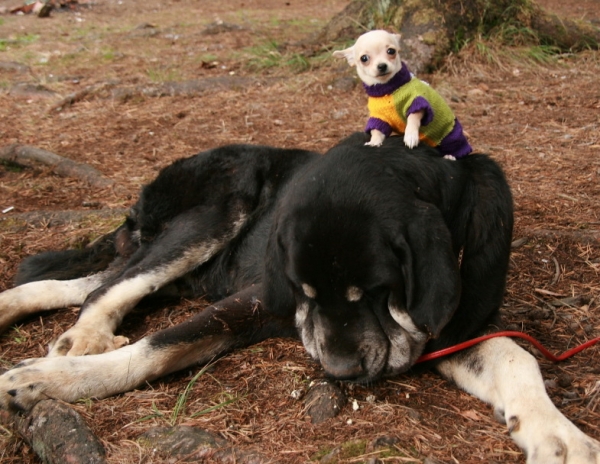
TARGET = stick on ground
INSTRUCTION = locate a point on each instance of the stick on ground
(26, 155)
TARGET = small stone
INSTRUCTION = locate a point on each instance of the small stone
(324, 400)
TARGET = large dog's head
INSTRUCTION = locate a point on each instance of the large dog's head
(367, 267)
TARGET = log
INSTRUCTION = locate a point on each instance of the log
(57, 434)
(26, 155)
(585, 237)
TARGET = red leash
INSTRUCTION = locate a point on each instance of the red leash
(530, 339)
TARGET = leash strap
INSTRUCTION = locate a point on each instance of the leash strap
(512, 334)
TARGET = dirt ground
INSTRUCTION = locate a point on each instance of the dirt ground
(166, 79)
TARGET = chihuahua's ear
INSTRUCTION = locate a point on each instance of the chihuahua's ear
(348, 53)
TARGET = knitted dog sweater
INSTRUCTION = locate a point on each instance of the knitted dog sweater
(391, 103)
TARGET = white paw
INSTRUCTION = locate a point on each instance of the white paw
(411, 138)
(84, 340)
(38, 379)
(69, 378)
(554, 440)
(449, 157)
(377, 138)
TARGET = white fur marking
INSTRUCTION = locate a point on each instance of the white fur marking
(301, 314)
(405, 321)
(353, 294)
(102, 375)
(309, 291)
(508, 378)
(44, 295)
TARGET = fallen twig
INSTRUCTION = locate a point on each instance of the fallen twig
(556, 271)
(75, 97)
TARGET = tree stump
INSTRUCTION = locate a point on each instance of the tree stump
(431, 29)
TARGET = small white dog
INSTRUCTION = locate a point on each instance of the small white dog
(398, 101)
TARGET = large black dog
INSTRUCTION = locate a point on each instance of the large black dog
(371, 255)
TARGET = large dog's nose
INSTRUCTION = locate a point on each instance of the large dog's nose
(382, 68)
(343, 368)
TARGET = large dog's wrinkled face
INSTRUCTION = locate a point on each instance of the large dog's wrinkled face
(367, 295)
(350, 292)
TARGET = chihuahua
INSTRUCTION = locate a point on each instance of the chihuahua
(400, 102)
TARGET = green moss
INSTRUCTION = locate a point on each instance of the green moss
(353, 448)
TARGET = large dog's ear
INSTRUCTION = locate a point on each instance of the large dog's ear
(430, 268)
(278, 295)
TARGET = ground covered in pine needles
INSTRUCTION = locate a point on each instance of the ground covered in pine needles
(126, 87)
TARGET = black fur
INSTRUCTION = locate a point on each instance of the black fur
(388, 221)
(68, 264)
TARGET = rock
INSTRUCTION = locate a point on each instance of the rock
(180, 440)
(324, 400)
(345, 83)
(57, 434)
(218, 27)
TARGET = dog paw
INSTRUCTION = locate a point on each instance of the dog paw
(411, 139)
(377, 138)
(69, 378)
(81, 341)
(555, 441)
(449, 157)
(37, 379)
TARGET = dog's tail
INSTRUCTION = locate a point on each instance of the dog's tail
(70, 264)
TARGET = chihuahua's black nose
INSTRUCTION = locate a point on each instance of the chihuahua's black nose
(382, 68)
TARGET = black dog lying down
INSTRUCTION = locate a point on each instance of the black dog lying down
(357, 252)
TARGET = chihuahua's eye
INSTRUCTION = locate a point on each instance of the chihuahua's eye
(391, 51)
(364, 58)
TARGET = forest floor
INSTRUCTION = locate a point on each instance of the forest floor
(155, 81)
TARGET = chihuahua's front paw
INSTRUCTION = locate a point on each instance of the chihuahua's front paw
(449, 157)
(411, 139)
(377, 138)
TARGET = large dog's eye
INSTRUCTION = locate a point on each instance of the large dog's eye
(364, 59)
(391, 52)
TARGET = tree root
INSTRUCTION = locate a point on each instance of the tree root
(26, 155)
(19, 222)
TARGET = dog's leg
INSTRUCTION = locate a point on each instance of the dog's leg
(182, 247)
(411, 134)
(234, 322)
(377, 138)
(24, 300)
(501, 373)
